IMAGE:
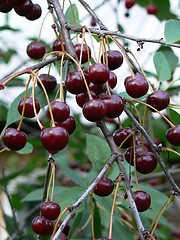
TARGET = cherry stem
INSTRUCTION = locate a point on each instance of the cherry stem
(118, 180)
(50, 183)
(124, 54)
(166, 149)
(83, 38)
(85, 225)
(134, 158)
(42, 26)
(61, 82)
(171, 83)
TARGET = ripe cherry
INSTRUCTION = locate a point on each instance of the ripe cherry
(16, 3)
(129, 3)
(104, 187)
(35, 13)
(136, 86)
(112, 81)
(24, 9)
(146, 163)
(36, 50)
(5, 7)
(69, 124)
(94, 110)
(54, 139)
(29, 109)
(60, 111)
(81, 98)
(152, 9)
(142, 200)
(173, 135)
(158, 99)
(14, 139)
(58, 45)
(97, 89)
(48, 81)
(130, 155)
(50, 210)
(98, 73)
(121, 134)
(42, 226)
(75, 82)
(114, 105)
(114, 59)
(86, 52)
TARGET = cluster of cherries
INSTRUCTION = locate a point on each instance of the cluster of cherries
(151, 8)
(25, 8)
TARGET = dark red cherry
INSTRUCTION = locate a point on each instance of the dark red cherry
(50, 210)
(35, 13)
(114, 58)
(58, 45)
(104, 187)
(69, 124)
(86, 52)
(98, 73)
(36, 50)
(5, 7)
(158, 99)
(152, 9)
(60, 111)
(42, 226)
(130, 155)
(81, 98)
(112, 81)
(97, 89)
(121, 134)
(173, 135)
(16, 3)
(114, 105)
(136, 86)
(66, 228)
(54, 139)
(94, 110)
(142, 200)
(129, 3)
(75, 82)
(24, 9)
(48, 81)
(14, 139)
(146, 163)
(29, 109)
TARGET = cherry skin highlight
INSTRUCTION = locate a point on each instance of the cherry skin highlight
(60, 111)
(173, 135)
(86, 51)
(158, 99)
(142, 200)
(42, 226)
(50, 210)
(35, 50)
(49, 82)
(29, 110)
(114, 59)
(104, 187)
(98, 73)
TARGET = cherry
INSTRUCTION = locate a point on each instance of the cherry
(98, 73)
(36, 50)
(29, 110)
(49, 82)
(152, 9)
(94, 110)
(114, 59)
(136, 86)
(69, 124)
(54, 139)
(158, 99)
(14, 139)
(60, 111)
(121, 134)
(66, 228)
(104, 187)
(42, 226)
(112, 81)
(81, 98)
(146, 163)
(114, 105)
(97, 89)
(5, 7)
(129, 3)
(86, 52)
(35, 13)
(142, 200)
(129, 153)
(16, 3)
(75, 82)
(173, 135)
(50, 210)
(62, 237)
(58, 45)
(24, 9)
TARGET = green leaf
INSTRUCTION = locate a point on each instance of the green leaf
(27, 149)
(7, 27)
(72, 15)
(98, 151)
(162, 67)
(170, 57)
(97, 221)
(172, 31)
(174, 116)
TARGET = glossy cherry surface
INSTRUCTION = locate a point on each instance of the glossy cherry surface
(112, 81)
(121, 134)
(81, 98)
(58, 45)
(5, 7)
(60, 111)
(16, 3)
(104, 187)
(158, 99)
(50, 210)
(114, 59)
(142, 200)
(173, 135)
(24, 9)
(49, 82)
(42, 226)
(69, 124)
(129, 3)
(146, 163)
(29, 109)
(35, 13)
(36, 50)
(98, 73)
(152, 9)
(86, 52)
